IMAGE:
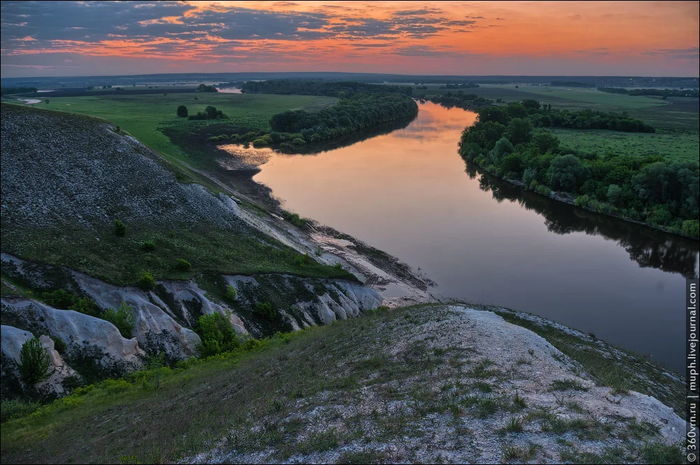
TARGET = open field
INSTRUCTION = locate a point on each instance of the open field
(673, 114)
(678, 147)
(141, 115)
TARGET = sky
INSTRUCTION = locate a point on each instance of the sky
(456, 38)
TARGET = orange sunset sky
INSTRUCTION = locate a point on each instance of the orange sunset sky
(477, 38)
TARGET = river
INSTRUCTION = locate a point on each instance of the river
(482, 240)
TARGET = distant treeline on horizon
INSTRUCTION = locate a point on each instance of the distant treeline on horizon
(123, 80)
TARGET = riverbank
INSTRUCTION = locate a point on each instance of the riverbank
(566, 198)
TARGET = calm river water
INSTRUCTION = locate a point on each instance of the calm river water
(410, 194)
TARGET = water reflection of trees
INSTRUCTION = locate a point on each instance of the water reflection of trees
(354, 138)
(647, 247)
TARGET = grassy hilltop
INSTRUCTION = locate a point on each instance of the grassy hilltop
(420, 384)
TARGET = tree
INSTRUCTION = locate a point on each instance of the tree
(614, 193)
(123, 319)
(217, 335)
(519, 131)
(496, 114)
(34, 362)
(517, 110)
(182, 111)
(566, 172)
(502, 149)
(211, 112)
(545, 141)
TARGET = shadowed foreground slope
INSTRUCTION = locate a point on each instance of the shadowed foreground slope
(420, 384)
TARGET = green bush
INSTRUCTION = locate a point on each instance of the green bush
(217, 335)
(691, 228)
(148, 246)
(34, 362)
(302, 260)
(123, 319)
(582, 201)
(115, 386)
(231, 293)
(59, 344)
(146, 281)
(119, 228)
(259, 143)
(17, 408)
(265, 310)
(68, 301)
(183, 265)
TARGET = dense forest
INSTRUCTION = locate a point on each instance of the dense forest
(543, 115)
(460, 100)
(329, 89)
(659, 92)
(18, 90)
(506, 142)
(361, 106)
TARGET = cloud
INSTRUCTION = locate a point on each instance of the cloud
(692, 53)
(431, 52)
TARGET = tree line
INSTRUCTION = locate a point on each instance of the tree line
(360, 106)
(18, 90)
(460, 100)
(658, 92)
(505, 142)
(329, 89)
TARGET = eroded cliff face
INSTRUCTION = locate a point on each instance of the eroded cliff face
(164, 318)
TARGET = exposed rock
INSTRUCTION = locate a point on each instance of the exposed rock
(76, 329)
(151, 319)
(439, 384)
(12, 341)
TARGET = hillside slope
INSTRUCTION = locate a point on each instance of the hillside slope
(182, 254)
(422, 384)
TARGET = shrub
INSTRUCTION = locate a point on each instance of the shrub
(543, 190)
(298, 142)
(231, 292)
(265, 310)
(582, 201)
(148, 246)
(217, 335)
(146, 281)
(182, 111)
(301, 260)
(295, 219)
(259, 143)
(691, 228)
(17, 408)
(34, 362)
(59, 344)
(119, 228)
(65, 300)
(123, 319)
(183, 265)
(115, 386)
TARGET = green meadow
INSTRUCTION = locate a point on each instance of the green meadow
(143, 115)
(675, 114)
(678, 147)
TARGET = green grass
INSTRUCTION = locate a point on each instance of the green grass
(672, 114)
(121, 260)
(261, 399)
(632, 373)
(677, 147)
(142, 115)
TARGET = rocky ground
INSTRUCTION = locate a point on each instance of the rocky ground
(451, 384)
